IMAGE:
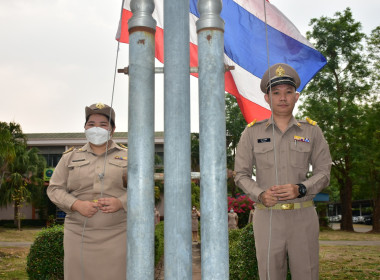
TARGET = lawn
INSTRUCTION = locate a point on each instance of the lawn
(336, 262)
(13, 259)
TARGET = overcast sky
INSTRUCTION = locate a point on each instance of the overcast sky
(57, 56)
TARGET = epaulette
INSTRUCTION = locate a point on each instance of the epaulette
(310, 121)
(69, 150)
(123, 146)
(251, 123)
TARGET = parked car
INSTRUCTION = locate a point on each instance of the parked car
(368, 219)
(335, 219)
(355, 219)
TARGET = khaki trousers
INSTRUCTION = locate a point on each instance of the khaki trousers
(294, 233)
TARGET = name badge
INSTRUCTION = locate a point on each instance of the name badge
(263, 140)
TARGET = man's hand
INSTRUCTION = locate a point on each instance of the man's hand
(268, 198)
(85, 208)
(285, 192)
(109, 204)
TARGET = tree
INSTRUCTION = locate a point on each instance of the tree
(334, 95)
(373, 129)
(195, 152)
(23, 175)
(369, 159)
(10, 135)
(235, 124)
(373, 43)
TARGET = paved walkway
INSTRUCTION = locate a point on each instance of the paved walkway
(15, 244)
(196, 264)
(349, 243)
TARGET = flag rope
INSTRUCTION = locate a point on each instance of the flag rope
(274, 139)
(101, 175)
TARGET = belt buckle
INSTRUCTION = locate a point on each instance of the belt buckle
(287, 206)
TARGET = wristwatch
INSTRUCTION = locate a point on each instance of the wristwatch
(302, 190)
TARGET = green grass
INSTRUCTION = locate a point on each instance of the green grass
(13, 262)
(336, 262)
(349, 262)
(14, 235)
(331, 235)
(13, 259)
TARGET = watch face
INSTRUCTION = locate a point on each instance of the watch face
(301, 190)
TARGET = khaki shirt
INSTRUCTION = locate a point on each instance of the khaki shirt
(77, 176)
(256, 149)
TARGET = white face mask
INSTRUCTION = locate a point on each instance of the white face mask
(97, 135)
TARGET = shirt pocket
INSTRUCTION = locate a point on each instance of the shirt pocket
(118, 169)
(77, 170)
(299, 154)
(264, 155)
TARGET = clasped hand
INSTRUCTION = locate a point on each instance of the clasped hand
(89, 208)
(278, 193)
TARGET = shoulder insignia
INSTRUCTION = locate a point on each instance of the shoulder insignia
(123, 146)
(310, 121)
(251, 123)
(69, 150)
(298, 124)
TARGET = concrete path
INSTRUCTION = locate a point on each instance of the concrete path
(15, 244)
(196, 250)
(349, 243)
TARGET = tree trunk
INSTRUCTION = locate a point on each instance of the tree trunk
(376, 215)
(17, 216)
(346, 201)
(15, 211)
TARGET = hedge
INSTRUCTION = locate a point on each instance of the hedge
(243, 262)
(45, 258)
(158, 242)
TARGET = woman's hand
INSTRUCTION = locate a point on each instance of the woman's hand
(85, 208)
(109, 204)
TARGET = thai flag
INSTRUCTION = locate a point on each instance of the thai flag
(245, 47)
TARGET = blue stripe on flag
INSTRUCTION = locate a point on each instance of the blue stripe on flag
(245, 44)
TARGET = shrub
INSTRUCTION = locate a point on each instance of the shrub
(45, 258)
(158, 242)
(243, 263)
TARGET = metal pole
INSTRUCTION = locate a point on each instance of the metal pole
(140, 219)
(178, 256)
(212, 132)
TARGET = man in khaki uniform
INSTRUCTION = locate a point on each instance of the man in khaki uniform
(281, 149)
(89, 184)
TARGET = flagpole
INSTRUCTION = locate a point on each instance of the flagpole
(212, 132)
(178, 253)
(140, 219)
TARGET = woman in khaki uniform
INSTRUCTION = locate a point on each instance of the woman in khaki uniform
(232, 220)
(89, 184)
(194, 223)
